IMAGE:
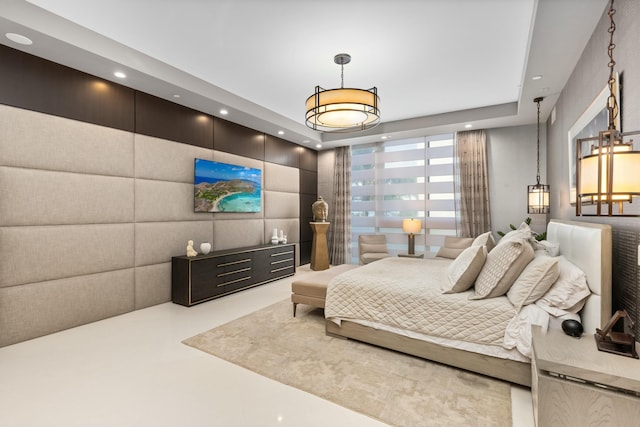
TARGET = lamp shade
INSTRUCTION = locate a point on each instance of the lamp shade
(625, 165)
(342, 110)
(538, 202)
(411, 225)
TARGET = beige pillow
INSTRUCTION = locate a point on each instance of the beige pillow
(485, 239)
(536, 279)
(462, 272)
(568, 293)
(373, 247)
(453, 246)
(502, 267)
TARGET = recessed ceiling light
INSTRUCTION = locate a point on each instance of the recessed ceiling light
(468, 126)
(280, 132)
(384, 137)
(538, 77)
(175, 95)
(306, 141)
(318, 145)
(19, 38)
(120, 75)
(224, 112)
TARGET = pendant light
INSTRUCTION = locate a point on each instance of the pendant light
(344, 109)
(607, 165)
(538, 194)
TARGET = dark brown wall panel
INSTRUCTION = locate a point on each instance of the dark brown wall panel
(308, 182)
(308, 159)
(232, 138)
(36, 84)
(279, 151)
(164, 119)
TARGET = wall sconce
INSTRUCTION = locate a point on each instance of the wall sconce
(411, 226)
(607, 165)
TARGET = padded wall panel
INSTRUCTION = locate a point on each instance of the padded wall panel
(308, 159)
(40, 141)
(229, 234)
(281, 205)
(290, 227)
(153, 285)
(35, 254)
(165, 160)
(166, 201)
(281, 178)
(42, 308)
(157, 242)
(39, 197)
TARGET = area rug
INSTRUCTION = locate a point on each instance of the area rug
(392, 387)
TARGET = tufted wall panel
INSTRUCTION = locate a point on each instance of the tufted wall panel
(90, 218)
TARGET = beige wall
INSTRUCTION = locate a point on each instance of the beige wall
(90, 217)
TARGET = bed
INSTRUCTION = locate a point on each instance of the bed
(413, 316)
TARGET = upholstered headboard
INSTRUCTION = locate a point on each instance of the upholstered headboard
(588, 246)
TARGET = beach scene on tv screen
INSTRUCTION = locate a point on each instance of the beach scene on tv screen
(222, 187)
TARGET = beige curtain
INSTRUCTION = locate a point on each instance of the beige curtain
(473, 183)
(340, 209)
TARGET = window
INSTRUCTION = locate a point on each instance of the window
(394, 180)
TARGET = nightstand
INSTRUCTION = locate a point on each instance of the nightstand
(411, 255)
(574, 384)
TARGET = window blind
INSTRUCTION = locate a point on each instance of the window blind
(395, 180)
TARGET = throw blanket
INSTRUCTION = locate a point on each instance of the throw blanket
(405, 293)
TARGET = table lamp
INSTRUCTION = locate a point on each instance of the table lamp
(411, 226)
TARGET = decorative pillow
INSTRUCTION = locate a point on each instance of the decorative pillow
(522, 232)
(453, 246)
(536, 279)
(552, 249)
(373, 247)
(568, 293)
(485, 239)
(462, 272)
(502, 267)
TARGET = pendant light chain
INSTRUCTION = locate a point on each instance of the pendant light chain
(537, 100)
(612, 103)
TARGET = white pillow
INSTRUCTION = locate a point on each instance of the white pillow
(568, 293)
(522, 232)
(502, 267)
(462, 272)
(552, 249)
(485, 239)
(534, 281)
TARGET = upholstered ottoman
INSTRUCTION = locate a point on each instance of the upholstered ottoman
(311, 289)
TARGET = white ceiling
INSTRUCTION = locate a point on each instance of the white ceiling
(437, 64)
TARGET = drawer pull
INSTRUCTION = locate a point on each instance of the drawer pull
(234, 281)
(282, 253)
(225, 264)
(281, 261)
(281, 269)
(233, 272)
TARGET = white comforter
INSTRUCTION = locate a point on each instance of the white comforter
(404, 293)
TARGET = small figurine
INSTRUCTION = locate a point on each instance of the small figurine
(190, 251)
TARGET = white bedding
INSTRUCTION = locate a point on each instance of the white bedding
(403, 295)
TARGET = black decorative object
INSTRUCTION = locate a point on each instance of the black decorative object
(572, 328)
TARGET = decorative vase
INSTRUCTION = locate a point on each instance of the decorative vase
(205, 248)
(320, 208)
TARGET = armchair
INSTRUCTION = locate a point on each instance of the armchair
(372, 247)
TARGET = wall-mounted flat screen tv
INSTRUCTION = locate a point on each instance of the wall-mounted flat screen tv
(221, 187)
